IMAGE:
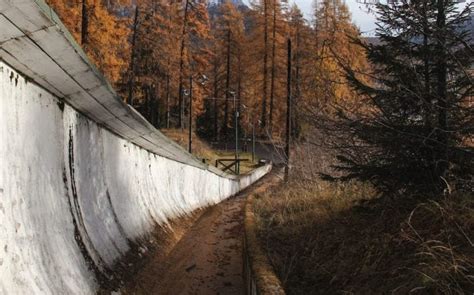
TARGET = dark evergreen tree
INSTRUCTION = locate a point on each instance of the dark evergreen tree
(411, 133)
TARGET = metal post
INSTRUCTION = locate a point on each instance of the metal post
(288, 113)
(190, 138)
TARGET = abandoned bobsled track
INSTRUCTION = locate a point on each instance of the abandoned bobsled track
(207, 259)
(84, 179)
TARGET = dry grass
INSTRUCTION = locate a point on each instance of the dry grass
(443, 233)
(203, 151)
(344, 239)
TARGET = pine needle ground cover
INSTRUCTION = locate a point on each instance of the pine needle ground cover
(344, 239)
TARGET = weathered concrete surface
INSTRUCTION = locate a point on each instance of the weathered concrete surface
(208, 259)
(83, 178)
(73, 196)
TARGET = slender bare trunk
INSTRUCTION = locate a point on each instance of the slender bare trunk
(84, 23)
(132, 58)
(265, 63)
(227, 87)
(181, 66)
(167, 101)
(288, 112)
(272, 83)
(442, 90)
(296, 97)
(426, 65)
(216, 93)
(239, 85)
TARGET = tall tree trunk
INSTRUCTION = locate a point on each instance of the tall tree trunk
(131, 78)
(296, 97)
(216, 93)
(146, 105)
(239, 85)
(167, 101)
(84, 23)
(227, 87)
(265, 63)
(168, 69)
(272, 83)
(156, 106)
(288, 112)
(442, 90)
(181, 67)
(426, 65)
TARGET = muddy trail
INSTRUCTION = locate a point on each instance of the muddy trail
(208, 257)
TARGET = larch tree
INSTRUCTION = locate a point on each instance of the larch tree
(260, 19)
(194, 50)
(301, 35)
(147, 66)
(332, 44)
(105, 34)
(229, 33)
(258, 59)
(170, 49)
(200, 53)
(277, 62)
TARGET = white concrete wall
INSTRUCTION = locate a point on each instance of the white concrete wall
(83, 177)
(74, 196)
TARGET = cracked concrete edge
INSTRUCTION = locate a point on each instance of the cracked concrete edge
(260, 277)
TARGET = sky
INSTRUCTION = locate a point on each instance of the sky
(365, 21)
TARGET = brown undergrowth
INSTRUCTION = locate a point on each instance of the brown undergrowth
(345, 239)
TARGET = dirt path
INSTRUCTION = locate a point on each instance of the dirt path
(207, 259)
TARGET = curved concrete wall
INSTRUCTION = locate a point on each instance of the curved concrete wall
(83, 178)
(73, 196)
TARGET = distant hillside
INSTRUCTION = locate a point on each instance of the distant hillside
(213, 9)
(235, 2)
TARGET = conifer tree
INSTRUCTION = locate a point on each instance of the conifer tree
(411, 134)
(333, 33)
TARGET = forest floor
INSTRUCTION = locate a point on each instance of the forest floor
(345, 238)
(207, 259)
